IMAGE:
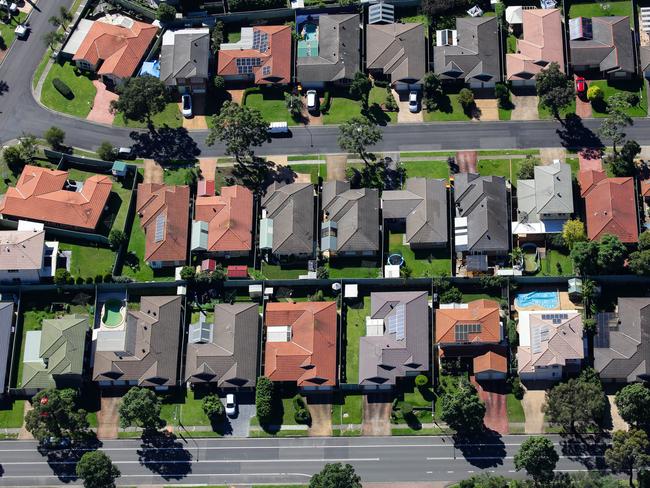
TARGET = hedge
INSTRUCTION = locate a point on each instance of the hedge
(327, 102)
(264, 399)
(62, 88)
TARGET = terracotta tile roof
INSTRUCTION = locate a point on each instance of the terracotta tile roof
(169, 205)
(482, 312)
(645, 188)
(39, 195)
(309, 356)
(120, 48)
(229, 217)
(490, 361)
(276, 60)
(540, 45)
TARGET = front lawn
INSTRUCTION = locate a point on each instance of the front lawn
(355, 329)
(376, 99)
(11, 414)
(449, 109)
(349, 412)
(498, 167)
(81, 85)
(188, 409)
(89, 261)
(555, 264)
(170, 117)
(285, 416)
(177, 176)
(515, 410)
(592, 8)
(314, 170)
(7, 34)
(270, 102)
(545, 113)
(637, 87)
(342, 108)
(422, 263)
(426, 169)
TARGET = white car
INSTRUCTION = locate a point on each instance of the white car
(231, 405)
(187, 105)
(312, 100)
(414, 103)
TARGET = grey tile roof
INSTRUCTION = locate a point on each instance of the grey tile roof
(483, 200)
(384, 358)
(622, 345)
(6, 321)
(476, 55)
(291, 207)
(423, 203)
(645, 57)
(185, 54)
(230, 358)
(398, 50)
(551, 192)
(611, 46)
(338, 50)
(152, 345)
(356, 213)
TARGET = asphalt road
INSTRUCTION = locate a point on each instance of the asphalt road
(285, 460)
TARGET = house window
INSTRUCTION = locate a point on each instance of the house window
(12, 271)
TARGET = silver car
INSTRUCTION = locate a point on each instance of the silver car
(414, 102)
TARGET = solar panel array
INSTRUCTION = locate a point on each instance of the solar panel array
(540, 334)
(260, 41)
(160, 227)
(201, 332)
(397, 323)
(555, 318)
(245, 65)
(462, 331)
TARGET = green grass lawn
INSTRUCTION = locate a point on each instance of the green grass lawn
(574, 163)
(288, 412)
(514, 408)
(376, 99)
(270, 102)
(596, 9)
(41, 67)
(11, 414)
(32, 320)
(427, 169)
(343, 107)
(349, 412)
(545, 113)
(498, 167)
(188, 410)
(609, 88)
(353, 268)
(81, 85)
(312, 169)
(7, 33)
(7, 178)
(470, 297)
(549, 265)
(177, 176)
(170, 117)
(277, 272)
(423, 263)
(512, 43)
(89, 261)
(451, 110)
(355, 329)
(505, 114)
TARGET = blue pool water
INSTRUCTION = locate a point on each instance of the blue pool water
(544, 299)
(309, 31)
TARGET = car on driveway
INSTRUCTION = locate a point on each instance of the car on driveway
(231, 405)
(312, 101)
(187, 105)
(414, 103)
(581, 87)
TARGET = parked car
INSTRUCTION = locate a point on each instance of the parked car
(279, 128)
(125, 153)
(13, 8)
(187, 105)
(312, 101)
(414, 102)
(581, 87)
(231, 405)
(22, 31)
(57, 443)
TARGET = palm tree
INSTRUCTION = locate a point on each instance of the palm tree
(517, 257)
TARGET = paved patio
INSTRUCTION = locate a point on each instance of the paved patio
(101, 105)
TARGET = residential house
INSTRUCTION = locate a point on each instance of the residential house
(420, 210)
(45, 195)
(6, 324)
(551, 344)
(470, 54)
(143, 349)
(350, 220)
(287, 224)
(644, 54)
(396, 343)
(54, 356)
(541, 44)
(224, 351)
(301, 344)
(262, 55)
(545, 202)
(620, 347)
(603, 45)
(223, 223)
(610, 205)
(185, 60)
(25, 255)
(397, 52)
(328, 49)
(113, 47)
(164, 215)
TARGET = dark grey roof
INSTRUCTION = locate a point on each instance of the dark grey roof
(338, 50)
(356, 214)
(622, 345)
(185, 54)
(229, 359)
(291, 207)
(645, 58)
(384, 358)
(6, 321)
(477, 54)
(152, 345)
(611, 46)
(398, 50)
(551, 192)
(483, 200)
(423, 203)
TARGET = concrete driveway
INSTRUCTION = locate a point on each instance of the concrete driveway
(101, 105)
(108, 418)
(617, 422)
(240, 425)
(321, 419)
(153, 172)
(336, 164)
(548, 154)
(525, 107)
(404, 115)
(494, 396)
(376, 414)
(532, 404)
(487, 109)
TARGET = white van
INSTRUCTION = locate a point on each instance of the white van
(278, 128)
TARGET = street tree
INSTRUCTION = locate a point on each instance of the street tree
(538, 457)
(527, 168)
(336, 475)
(356, 135)
(239, 128)
(96, 470)
(633, 403)
(622, 164)
(54, 137)
(573, 231)
(294, 105)
(628, 452)
(52, 38)
(54, 413)
(28, 147)
(611, 254)
(555, 89)
(617, 120)
(140, 407)
(463, 410)
(13, 158)
(140, 98)
(360, 88)
(166, 12)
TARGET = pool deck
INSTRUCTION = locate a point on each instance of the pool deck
(564, 304)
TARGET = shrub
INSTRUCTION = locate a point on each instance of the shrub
(595, 94)
(517, 389)
(166, 12)
(302, 416)
(79, 280)
(61, 276)
(219, 82)
(452, 295)
(188, 273)
(391, 104)
(106, 151)
(421, 380)
(381, 83)
(406, 408)
(501, 92)
(633, 99)
(212, 407)
(298, 403)
(108, 277)
(466, 98)
(62, 88)
(89, 281)
(99, 278)
(54, 137)
(264, 399)
(327, 102)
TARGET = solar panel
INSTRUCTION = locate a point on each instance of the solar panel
(160, 227)
(462, 331)
(260, 41)
(555, 318)
(400, 323)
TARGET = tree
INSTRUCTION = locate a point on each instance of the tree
(52, 38)
(219, 82)
(622, 164)
(212, 407)
(589, 326)
(628, 452)
(54, 21)
(294, 105)
(217, 36)
(583, 256)
(28, 147)
(55, 414)
(538, 457)
(357, 134)
(616, 121)
(140, 407)
(336, 475)
(54, 137)
(360, 88)
(188, 273)
(595, 94)
(451, 295)
(239, 127)
(501, 91)
(96, 470)
(264, 399)
(555, 89)
(106, 151)
(633, 402)
(433, 8)
(527, 168)
(140, 98)
(13, 158)
(644, 240)
(116, 238)
(611, 254)
(639, 262)
(61, 276)
(166, 12)
(466, 98)
(573, 231)
(65, 16)
(432, 89)
(463, 410)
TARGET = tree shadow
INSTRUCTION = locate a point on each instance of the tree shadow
(588, 450)
(165, 456)
(412, 421)
(274, 424)
(377, 115)
(574, 134)
(443, 104)
(63, 462)
(4, 87)
(165, 144)
(485, 450)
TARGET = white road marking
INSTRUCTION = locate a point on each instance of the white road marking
(208, 461)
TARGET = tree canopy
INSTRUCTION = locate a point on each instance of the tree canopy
(360, 88)
(633, 402)
(527, 168)
(612, 127)
(55, 414)
(140, 98)
(555, 89)
(239, 128)
(96, 470)
(573, 231)
(628, 452)
(357, 134)
(336, 475)
(538, 457)
(140, 407)
(462, 409)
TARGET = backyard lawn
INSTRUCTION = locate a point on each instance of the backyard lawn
(592, 8)
(449, 110)
(427, 169)
(422, 263)
(549, 265)
(11, 414)
(89, 261)
(637, 87)
(355, 329)
(277, 272)
(349, 412)
(82, 88)
(170, 117)
(270, 102)
(7, 34)
(314, 170)
(353, 268)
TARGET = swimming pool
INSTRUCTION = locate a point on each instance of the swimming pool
(543, 299)
(310, 31)
(113, 313)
